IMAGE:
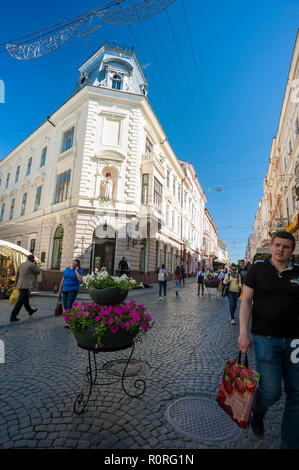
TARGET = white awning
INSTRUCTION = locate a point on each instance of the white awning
(17, 253)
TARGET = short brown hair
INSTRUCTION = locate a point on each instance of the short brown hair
(286, 236)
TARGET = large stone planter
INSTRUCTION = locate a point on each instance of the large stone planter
(107, 296)
(212, 284)
(87, 339)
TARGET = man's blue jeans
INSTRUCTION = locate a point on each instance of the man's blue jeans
(233, 300)
(277, 359)
(68, 298)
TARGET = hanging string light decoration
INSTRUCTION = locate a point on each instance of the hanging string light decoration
(44, 46)
(46, 41)
(135, 12)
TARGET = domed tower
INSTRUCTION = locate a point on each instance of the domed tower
(115, 67)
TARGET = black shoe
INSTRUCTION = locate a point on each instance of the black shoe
(15, 319)
(33, 311)
(257, 424)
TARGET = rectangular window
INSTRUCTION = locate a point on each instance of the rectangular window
(43, 157)
(179, 193)
(7, 180)
(17, 174)
(37, 198)
(148, 146)
(32, 245)
(29, 166)
(168, 179)
(145, 187)
(167, 214)
(173, 220)
(23, 206)
(174, 183)
(12, 206)
(62, 186)
(157, 194)
(2, 212)
(19, 242)
(67, 141)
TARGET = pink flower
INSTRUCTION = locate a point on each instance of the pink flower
(148, 317)
(144, 325)
(110, 321)
(117, 310)
(98, 318)
(114, 329)
(96, 346)
(122, 325)
(67, 319)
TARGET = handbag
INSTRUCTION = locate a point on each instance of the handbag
(237, 389)
(58, 309)
(14, 296)
(220, 287)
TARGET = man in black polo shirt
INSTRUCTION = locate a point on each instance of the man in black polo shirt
(271, 294)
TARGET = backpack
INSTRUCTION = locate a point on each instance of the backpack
(161, 276)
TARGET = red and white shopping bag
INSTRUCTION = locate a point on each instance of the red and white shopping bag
(237, 390)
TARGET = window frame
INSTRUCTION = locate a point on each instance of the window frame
(145, 189)
(62, 186)
(23, 204)
(12, 208)
(65, 146)
(43, 157)
(38, 197)
(157, 196)
(29, 166)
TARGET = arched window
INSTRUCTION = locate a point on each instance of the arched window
(116, 81)
(57, 248)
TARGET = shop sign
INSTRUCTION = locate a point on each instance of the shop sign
(294, 224)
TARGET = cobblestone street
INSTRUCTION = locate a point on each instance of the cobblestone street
(185, 353)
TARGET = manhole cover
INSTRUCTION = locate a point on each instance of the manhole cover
(116, 367)
(200, 418)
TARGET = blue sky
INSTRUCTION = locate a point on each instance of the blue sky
(217, 73)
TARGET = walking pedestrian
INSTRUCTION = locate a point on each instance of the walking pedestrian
(26, 279)
(70, 284)
(222, 277)
(235, 285)
(162, 278)
(200, 278)
(242, 270)
(177, 280)
(271, 295)
(183, 274)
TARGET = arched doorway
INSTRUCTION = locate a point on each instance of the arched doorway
(57, 247)
(103, 253)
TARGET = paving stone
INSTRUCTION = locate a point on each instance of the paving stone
(186, 351)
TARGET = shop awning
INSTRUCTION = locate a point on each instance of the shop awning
(17, 253)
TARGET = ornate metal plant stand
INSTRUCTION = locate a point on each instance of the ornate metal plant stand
(92, 373)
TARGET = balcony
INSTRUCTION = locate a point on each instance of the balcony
(278, 224)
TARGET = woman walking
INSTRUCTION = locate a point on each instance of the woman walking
(162, 278)
(234, 289)
(177, 280)
(70, 284)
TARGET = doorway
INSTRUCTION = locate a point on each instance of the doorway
(104, 252)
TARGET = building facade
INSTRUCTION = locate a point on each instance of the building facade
(98, 181)
(279, 207)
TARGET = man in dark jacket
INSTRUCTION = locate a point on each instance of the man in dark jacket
(26, 279)
(123, 266)
(271, 294)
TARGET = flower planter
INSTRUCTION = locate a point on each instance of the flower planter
(87, 339)
(212, 283)
(107, 296)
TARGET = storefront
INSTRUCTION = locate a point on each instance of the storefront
(11, 256)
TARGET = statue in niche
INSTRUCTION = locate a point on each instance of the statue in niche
(108, 187)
